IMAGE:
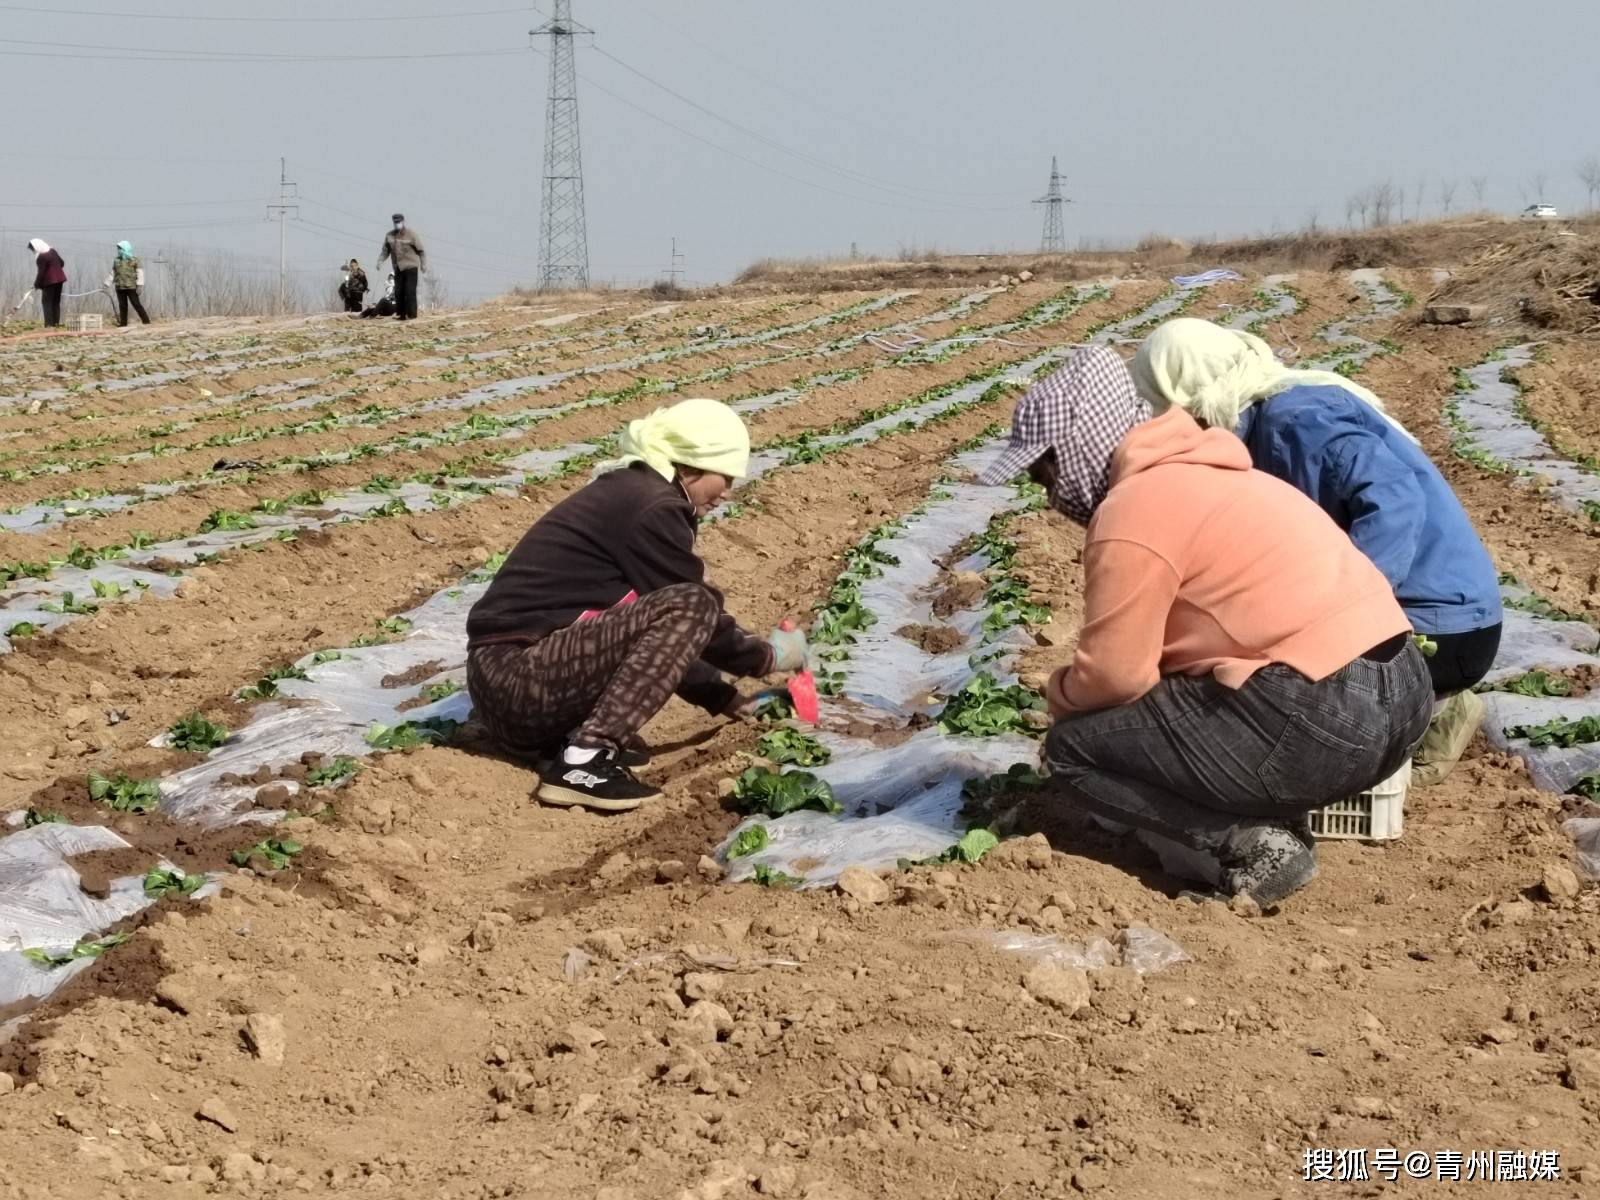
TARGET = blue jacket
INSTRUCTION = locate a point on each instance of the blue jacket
(1386, 493)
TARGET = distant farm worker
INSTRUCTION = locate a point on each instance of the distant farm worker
(50, 276)
(602, 612)
(1240, 664)
(1331, 438)
(127, 277)
(353, 290)
(385, 306)
(410, 259)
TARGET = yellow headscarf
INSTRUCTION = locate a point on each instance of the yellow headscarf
(1214, 374)
(704, 434)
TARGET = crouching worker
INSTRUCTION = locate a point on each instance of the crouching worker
(1240, 664)
(602, 612)
(1331, 439)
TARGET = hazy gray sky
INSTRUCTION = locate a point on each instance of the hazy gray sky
(886, 123)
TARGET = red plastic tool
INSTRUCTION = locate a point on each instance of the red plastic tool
(802, 689)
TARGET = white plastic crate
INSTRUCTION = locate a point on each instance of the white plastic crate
(89, 322)
(1376, 815)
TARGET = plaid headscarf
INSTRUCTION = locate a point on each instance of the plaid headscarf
(1082, 412)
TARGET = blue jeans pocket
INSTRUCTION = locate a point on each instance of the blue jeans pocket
(1310, 767)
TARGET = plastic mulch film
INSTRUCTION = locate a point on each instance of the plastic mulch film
(531, 382)
(1351, 349)
(1283, 304)
(42, 905)
(1136, 948)
(35, 518)
(43, 602)
(1585, 834)
(900, 801)
(332, 711)
(1488, 417)
(1530, 642)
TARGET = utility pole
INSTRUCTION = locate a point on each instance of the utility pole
(282, 208)
(563, 232)
(673, 269)
(1055, 235)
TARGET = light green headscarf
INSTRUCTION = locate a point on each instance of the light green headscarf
(1214, 374)
(704, 434)
(124, 249)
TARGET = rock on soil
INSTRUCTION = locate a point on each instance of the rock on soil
(1066, 989)
(863, 885)
(218, 1113)
(264, 1034)
(1560, 883)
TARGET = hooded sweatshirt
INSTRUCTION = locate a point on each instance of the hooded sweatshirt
(1196, 564)
(51, 270)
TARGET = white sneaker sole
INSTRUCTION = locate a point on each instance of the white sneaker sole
(557, 796)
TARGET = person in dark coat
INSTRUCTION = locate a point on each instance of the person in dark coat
(353, 290)
(49, 278)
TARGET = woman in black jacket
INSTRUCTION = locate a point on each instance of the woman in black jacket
(603, 612)
(50, 277)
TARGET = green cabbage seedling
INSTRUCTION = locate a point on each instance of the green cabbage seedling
(277, 852)
(194, 732)
(162, 881)
(122, 794)
(773, 878)
(759, 790)
(792, 746)
(751, 841)
(89, 948)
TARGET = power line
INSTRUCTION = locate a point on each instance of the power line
(771, 170)
(847, 173)
(166, 54)
(766, 81)
(90, 12)
(136, 204)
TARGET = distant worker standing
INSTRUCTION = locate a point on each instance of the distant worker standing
(410, 260)
(353, 290)
(49, 278)
(127, 276)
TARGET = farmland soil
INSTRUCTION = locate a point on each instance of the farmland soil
(455, 992)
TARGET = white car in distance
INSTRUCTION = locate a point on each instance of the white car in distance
(1540, 212)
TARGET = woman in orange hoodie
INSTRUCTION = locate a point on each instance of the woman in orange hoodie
(1240, 664)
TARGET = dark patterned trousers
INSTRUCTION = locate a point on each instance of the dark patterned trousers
(596, 682)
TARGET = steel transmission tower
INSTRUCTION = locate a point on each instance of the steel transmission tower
(1055, 233)
(563, 233)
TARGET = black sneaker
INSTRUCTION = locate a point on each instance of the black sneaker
(1269, 863)
(602, 783)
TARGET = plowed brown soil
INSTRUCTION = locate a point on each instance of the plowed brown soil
(458, 993)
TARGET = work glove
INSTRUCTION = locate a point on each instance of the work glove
(789, 649)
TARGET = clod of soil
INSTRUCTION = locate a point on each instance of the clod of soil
(964, 590)
(931, 639)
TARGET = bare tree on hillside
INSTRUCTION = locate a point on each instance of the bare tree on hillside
(435, 292)
(1362, 203)
(1352, 205)
(1422, 188)
(1447, 194)
(1589, 175)
(1480, 184)
(1385, 196)
(1538, 181)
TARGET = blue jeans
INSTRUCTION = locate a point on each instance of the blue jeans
(1198, 762)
